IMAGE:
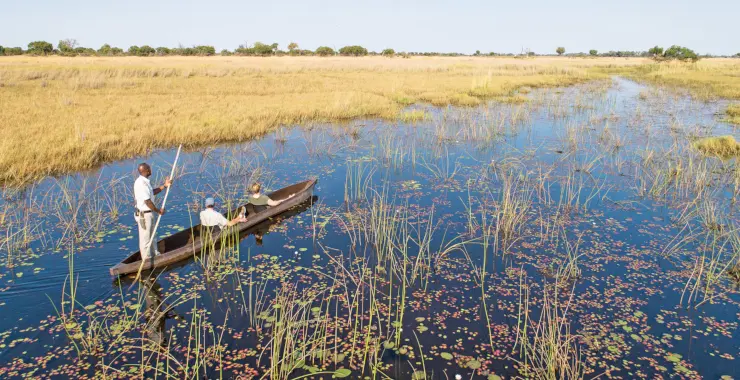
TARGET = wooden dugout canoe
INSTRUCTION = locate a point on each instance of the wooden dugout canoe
(187, 243)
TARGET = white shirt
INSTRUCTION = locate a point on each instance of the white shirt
(142, 192)
(210, 217)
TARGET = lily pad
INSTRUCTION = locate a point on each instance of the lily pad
(473, 364)
(342, 372)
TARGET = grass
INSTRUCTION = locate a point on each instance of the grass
(733, 114)
(706, 79)
(723, 146)
(80, 113)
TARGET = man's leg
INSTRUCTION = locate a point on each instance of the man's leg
(144, 224)
(150, 233)
(143, 236)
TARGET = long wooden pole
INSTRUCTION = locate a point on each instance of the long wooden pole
(159, 217)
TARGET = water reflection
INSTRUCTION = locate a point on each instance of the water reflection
(157, 313)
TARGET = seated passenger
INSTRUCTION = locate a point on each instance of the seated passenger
(259, 199)
(210, 217)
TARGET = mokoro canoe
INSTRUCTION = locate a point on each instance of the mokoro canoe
(187, 243)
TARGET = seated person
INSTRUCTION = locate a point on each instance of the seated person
(210, 217)
(259, 199)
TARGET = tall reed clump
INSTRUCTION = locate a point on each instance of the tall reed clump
(547, 348)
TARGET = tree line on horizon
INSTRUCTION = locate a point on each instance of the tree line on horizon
(71, 48)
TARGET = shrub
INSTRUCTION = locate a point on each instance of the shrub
(163, 50)
(105, 50)
(389, 52)
(655, 51)
(133, 50)
(116, 51)
(83, 51)
(226, 52)
(325, 51)
(2, 50)
(146, 50)
(13, 51)
(560, 50)
(293, 49)
(40, 48)
(264, 49)
(593, 52)
(354, 50)
(680, 53)
(205, 50)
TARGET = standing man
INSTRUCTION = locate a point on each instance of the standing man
(145, 209)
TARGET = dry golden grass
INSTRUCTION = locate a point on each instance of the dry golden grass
(733, 114)
(722, 146)
(706, 79)
(66, 114)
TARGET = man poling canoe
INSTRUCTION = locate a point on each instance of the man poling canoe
(145, 209)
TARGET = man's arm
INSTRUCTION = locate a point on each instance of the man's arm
(167, 183)
(236, 221)
(152, 207)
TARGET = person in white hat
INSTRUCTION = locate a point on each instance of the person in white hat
(211, 218)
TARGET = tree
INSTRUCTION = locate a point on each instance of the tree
(67, 46)
(293, 48)
(353, 50)
(477, 53)
(680, 53)
(162, 51)
(133, 50)
(263, 49)
(146, 50)
(116, 51)
(205, 50)
(593, 52)
(656, 51)
(105, 50)
(13, 51)
(388, 52)
(560, 50)
(226, 52)
(325, 51)
(40, 48)
(737, 55)
(2, 50)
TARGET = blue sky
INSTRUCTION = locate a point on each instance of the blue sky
(708, 26)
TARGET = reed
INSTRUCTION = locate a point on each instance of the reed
(547, 348)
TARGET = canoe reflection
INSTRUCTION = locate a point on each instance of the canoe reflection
(156, 313)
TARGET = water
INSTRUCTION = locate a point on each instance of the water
(591, 165)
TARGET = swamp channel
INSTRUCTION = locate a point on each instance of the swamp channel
(573, 235)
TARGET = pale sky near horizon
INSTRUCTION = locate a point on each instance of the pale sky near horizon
(431, 25)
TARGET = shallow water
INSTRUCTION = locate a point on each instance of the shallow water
(591, 163)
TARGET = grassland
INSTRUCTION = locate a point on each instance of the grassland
(61, 115)
(706, 80)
